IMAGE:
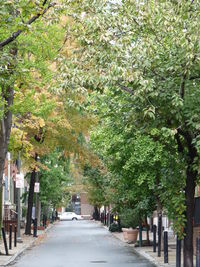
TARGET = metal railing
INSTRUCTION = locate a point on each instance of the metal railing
(10, 217)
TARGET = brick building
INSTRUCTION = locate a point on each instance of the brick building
(86, 208)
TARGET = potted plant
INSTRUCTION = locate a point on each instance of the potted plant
(125, 235)
(129, 221)
(132, 235)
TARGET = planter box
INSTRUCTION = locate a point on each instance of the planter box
(125, 235)
(132, 235)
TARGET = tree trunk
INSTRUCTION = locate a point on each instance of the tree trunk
(160, 213)
(96, 214)
(189, 198)
(5, 129)
(30, 204)
(1, 213)
(7, 94)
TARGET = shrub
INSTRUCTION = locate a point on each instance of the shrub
(129, 218)
(114, 227)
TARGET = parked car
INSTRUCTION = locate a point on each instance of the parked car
(68, 216)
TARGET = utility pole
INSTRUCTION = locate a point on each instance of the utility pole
(19, 240)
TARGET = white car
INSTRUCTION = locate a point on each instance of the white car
(65, 216)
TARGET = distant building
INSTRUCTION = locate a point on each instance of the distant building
(80, 205)
(86, 207)
(76, 204)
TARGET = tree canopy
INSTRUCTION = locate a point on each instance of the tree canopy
(135, 65)
(143, 56)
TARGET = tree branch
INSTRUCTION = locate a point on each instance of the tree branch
(127, 89)
(29, 22)
(64, 42)
(194, 78)
(188, 138)
(178, 140)
(44, 3)
(182, 87)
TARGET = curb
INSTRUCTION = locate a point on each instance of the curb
(146, 256)
(16, 255)
(139, 253)
(31, 244)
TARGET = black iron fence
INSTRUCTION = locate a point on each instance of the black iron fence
(9, 218)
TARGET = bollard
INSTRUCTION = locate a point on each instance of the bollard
(159, 234)
(154, 238)
(15, 236)
(10, 236)
(165, 247)
(108, 216)
(198, 252)
(140, 235)
(4, 240)
(178, 252)
(35, 228)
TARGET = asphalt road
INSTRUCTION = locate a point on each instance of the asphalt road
(80, 244)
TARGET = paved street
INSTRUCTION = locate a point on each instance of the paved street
(80, 243)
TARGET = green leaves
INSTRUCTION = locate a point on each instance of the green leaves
(144, 59)
(54, 180)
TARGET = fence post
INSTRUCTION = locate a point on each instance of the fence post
(178, 252)
(154, 238)
(10, 236)
(4, 240)
(159, 234)
(165, 247)
(15, 236)
(198, 252)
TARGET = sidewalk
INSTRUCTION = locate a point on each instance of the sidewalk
(28, 241)
(147, 252)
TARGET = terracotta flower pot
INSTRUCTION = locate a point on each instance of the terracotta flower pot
(124, 230)
(132, 235)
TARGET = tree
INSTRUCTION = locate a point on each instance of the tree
(32, 37)
(96, 185)
(48, 125)
(55, 180)
(45, 121)
(17, 18)
(150, 51)
(141, 171)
